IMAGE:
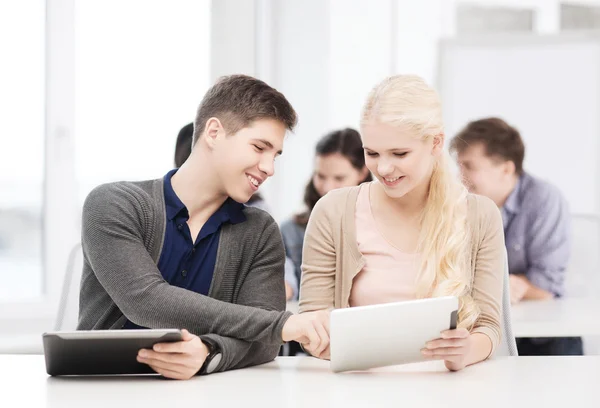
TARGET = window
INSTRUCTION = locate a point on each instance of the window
(141, 70)
(473, 19)
(579, 17)
(101, 98)
(22, 25)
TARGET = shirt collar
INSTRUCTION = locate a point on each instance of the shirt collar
(231, 211)
(513, 204)
(172, 203)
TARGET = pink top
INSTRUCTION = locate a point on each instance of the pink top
(389, 274)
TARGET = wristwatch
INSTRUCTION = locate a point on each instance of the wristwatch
(213, 358)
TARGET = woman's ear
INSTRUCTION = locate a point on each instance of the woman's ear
(438, 144)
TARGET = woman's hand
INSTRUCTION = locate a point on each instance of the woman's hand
(179, 360)
(454, 347)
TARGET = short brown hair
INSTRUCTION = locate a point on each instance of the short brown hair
(238, 100)
(499, 139)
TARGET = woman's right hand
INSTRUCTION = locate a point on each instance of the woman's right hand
(310, 329)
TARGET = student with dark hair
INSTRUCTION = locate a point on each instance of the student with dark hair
(339, 162)
(535, 215)
(183, 148)
(183, 251)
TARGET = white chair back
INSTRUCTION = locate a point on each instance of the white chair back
(68, 309)
(508, 344)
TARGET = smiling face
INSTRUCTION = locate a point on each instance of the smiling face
(401, 161)
(245, 160)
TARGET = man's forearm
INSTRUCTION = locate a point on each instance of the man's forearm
(239, 353)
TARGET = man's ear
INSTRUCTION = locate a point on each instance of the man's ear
(212, 130)
(509, 168)
(438, 144)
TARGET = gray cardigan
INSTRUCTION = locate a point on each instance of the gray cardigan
(122, 237)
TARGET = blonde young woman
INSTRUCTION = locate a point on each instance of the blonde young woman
(414, 232)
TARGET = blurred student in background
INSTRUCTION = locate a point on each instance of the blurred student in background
(413, 233)
(535, 215)
(339, 162)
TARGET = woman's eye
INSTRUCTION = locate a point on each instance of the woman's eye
(372, 154)
(400, 154)
(260, 149)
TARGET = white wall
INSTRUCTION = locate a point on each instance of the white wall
(325, 55)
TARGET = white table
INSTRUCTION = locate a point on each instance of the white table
(21, 343)
(557, 318)
(307, 382)
(551, 318)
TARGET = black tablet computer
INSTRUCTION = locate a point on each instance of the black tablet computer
(101, 352)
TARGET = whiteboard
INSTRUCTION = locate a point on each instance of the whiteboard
(548, 87)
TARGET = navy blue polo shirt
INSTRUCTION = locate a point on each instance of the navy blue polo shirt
(183, 263)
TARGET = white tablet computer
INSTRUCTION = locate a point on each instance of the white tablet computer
(101, 352)
(388, 334)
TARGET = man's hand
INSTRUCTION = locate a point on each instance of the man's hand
(310, 329)
(179, 360)
(519, 286)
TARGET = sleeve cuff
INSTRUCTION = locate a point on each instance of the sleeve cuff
(492, 335)
(216, 339)
(279, 329)
(542, 281)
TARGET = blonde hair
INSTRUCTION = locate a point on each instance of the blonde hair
(444, 243)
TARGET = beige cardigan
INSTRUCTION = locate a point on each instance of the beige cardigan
(331, 258)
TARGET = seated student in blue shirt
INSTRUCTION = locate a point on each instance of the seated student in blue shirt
(184, 252)
(535, 216)
(183, 148)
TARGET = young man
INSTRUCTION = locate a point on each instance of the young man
(535, 216)
(183, 149)
(182, 251)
